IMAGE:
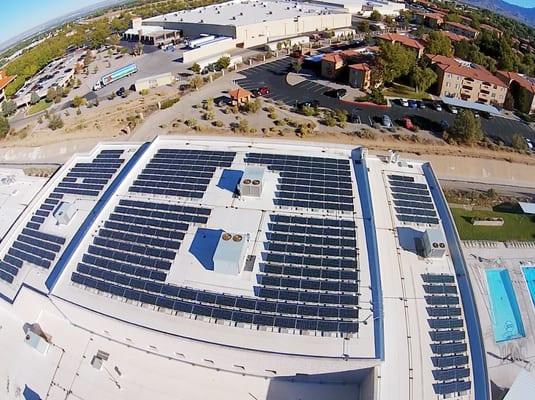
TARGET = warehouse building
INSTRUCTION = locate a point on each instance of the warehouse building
(246, 24)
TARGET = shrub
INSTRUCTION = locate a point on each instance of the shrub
(272, 115)
(8, 108)
(191, 122)
(144, 92)
(242, 126)
(168, 103)
(218, 124)
(78, 101)
(309, 111)
(55, 122)
(251, 106)
(4, 127)
(209, 115)
(519, 143)
(366, 134)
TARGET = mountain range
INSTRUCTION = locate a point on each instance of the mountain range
(525, 15)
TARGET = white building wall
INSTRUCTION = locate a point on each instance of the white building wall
(210, 50)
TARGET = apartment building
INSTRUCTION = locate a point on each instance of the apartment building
(460, 29)
(360, 76)
(467, 81)
(4, 81)
(412, 44)
(522, 88)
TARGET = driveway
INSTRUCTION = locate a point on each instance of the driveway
(273, 75)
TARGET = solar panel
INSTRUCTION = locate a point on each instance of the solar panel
(450, 374)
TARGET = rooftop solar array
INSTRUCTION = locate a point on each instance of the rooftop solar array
(308, 273)
(309, 182)
(181, 173)
(412, 200)
(38, 248)
(448, 344)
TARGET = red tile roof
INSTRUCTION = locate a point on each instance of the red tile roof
(360, 67)
(469, 70)
(402, 39)
(487, 27)
(333, 57)
(461, 26)
(453, 36)
(522, 80)
(239, 93)
(5, 79)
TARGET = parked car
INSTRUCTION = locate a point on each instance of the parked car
(386, 121)
(413, 104)
(404, 102)
(529, 143)
(336, 93)
(444, 125)
(261, 91)
(453, 109)
(121, 91)
(421, 104)
(437, 106)
(486, 115)
(407, 123)
(476, 114)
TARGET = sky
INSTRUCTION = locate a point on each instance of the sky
(522, 3)
(17, 16)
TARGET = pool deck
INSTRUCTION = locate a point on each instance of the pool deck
(504, 360)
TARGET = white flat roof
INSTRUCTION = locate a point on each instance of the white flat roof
(239, 12)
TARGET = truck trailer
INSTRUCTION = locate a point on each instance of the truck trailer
(115, 75)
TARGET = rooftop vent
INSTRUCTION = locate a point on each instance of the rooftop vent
(251, 183)
(229, 256)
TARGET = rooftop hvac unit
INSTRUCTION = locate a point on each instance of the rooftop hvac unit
(252, 182)
(229, 255)
(434, 243)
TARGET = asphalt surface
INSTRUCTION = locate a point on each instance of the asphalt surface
(273, 75)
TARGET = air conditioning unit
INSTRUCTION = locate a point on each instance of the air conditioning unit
(434, 243)
(229, 256)
(252, 182)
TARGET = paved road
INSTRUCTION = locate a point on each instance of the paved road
(273, 75)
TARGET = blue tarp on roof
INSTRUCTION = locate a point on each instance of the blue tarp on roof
(315, 57)
(229, 180)
(470, 105)
(29, 394)
(204, 245)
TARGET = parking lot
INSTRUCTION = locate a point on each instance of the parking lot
(273, 75)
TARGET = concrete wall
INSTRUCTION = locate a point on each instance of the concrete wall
(210, 50)
(154, 81)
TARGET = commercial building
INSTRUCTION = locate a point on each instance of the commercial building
(522, 88)
(4, 81)
(151, 35)
(467, 81)
(360, 76)
(366, 7)
(412, 44)
(248, 24)
(154, 81)
(461, 29)
(199, 266)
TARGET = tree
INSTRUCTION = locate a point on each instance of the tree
(518, 142)
(438, 43)
(138, 48)
(395, 61)
(423, 78)
(50, 95)
(375, 16)
(114, 40)
(55, 122)
(389, 20)
(466, 128)
(78, 101)
(88, 59)
(8, 107)
(223, 62)
(34, 98)
(453, 17)
(196, 68)
(297, 65)
(4, 127)
(364, 26)
(196, 82)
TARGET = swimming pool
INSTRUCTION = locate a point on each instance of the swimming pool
(506, 319)
(529, 275)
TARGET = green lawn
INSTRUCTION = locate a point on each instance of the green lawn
(38, 107)
(515, 227)
(398, 90)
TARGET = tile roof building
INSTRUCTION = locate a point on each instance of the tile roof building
(5, 80)
(522, 88)
(467, 81)
(405, 41)
(461, 29)
(360, 76)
